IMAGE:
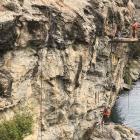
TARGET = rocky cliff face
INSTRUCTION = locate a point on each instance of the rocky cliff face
(137, 5)
(57, 52)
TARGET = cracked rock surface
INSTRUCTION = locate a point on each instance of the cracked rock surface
(61, 49)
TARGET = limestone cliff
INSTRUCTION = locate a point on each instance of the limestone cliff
(60, 49)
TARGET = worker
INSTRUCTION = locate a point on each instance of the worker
(135, 27)
(106, 115)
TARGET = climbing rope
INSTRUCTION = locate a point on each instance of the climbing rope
(40, 128)
(40, 136)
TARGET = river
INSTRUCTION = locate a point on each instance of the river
(127, 108)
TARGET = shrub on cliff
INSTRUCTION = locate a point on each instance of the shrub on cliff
(134, 52)
(17, 128)
(126, 76)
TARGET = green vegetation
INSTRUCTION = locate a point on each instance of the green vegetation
(17, 128)
(134, 52)
(116, 115)
(127, 77)
(133, 63)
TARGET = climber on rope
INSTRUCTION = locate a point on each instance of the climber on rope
(135, 27)
(106, 115)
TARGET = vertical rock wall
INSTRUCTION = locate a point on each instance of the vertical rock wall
(61, 50)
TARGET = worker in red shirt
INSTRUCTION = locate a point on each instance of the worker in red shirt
(135, 27)
(106, 115)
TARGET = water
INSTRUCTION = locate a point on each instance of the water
(127, 108)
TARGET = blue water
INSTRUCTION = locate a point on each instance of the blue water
(127, 108)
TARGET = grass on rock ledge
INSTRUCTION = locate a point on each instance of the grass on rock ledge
(17, 128)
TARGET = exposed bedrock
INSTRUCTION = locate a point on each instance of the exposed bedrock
(61, 49)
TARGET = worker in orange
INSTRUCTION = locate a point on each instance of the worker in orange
(106, 115)
(135, 27)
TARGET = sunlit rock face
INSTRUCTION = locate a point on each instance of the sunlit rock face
(61, 50)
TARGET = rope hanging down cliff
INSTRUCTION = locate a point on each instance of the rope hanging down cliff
(48, 37)
(40, 128)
